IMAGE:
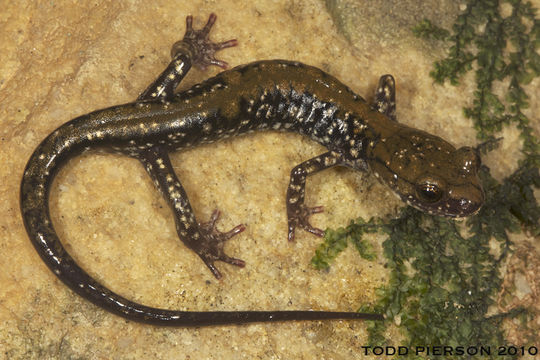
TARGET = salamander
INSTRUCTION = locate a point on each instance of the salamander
(422, 169)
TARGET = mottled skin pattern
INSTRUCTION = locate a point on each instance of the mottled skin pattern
(424, 170)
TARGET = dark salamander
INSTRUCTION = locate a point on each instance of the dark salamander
(424, 170)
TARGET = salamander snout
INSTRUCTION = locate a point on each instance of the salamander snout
(454, 190)
(438, 196)
(463, 206)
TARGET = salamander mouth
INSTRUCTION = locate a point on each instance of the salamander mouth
(450, 208)
(463, 214)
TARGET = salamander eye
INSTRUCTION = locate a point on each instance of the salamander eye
(428, 192)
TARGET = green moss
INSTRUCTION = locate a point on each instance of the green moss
(335, 241)
(442, 281)
(501, 49)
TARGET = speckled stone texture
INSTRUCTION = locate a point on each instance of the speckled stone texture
(61, 59)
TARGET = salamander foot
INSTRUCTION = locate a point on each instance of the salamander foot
(298, 216)
(212, 243)
(199, 45)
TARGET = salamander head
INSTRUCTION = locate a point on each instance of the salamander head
(430, 174)
(454, 192)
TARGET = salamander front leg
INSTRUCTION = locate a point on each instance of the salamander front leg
(203, 238)
(385, 97)
(297, 212)
(194, 49)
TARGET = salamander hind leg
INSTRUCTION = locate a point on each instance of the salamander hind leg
(203, 238)
(385, 97)
(194, 49)
(212, 244)
(199, 46)
(297, 212)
